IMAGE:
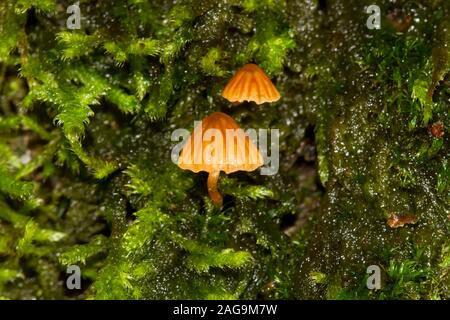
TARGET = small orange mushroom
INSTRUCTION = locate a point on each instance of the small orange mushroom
(437, 129)
(394, 221)
(250, 83)
(219, 144)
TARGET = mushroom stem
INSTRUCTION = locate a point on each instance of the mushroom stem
(214, 193)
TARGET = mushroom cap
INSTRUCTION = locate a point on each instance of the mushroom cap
(224, 148)
(250, 83)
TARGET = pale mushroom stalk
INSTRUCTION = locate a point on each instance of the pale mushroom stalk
(213, 191)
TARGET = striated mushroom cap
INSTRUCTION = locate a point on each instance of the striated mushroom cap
(250, 83)
(219, 144)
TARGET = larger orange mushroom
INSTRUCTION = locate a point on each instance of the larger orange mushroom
(219, 144)
(250, 83)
